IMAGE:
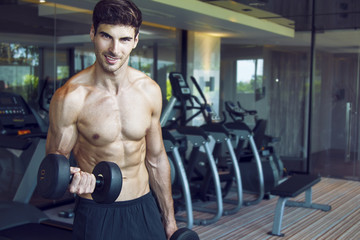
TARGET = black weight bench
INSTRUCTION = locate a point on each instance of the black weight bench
(291, 188)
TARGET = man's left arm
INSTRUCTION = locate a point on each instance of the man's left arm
(158, 167)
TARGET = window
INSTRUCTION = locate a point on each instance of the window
(19, 69)
(83, 58)
(249, 75)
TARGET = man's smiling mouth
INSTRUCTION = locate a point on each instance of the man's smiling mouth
(111, 60)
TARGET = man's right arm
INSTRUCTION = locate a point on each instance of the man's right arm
(63, 114)
(65, 107)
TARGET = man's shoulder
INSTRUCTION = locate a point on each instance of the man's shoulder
(147, 87)
(141, 79)
(70, 89)
(71, 93)
(138, 75)
(77, 85)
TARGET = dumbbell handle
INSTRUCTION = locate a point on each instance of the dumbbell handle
(99, 181)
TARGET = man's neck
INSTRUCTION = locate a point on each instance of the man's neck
(113, 82)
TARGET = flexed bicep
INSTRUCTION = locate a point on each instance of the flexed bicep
(64, 109)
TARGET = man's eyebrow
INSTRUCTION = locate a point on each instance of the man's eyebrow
(105, 33)
(122, 38)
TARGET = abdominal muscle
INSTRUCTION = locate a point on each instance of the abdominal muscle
(128, 155)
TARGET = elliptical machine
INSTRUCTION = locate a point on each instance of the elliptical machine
(181, 135)
(202, 174)
(273, 168)
(240, 133)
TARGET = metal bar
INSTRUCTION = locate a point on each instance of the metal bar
(237, 176)
(185, 187)
(308, 203)
(322, 207)
(260, 173)
(279, 212)
(217, 186)
(348, 132)
(166, 113)
(29, 181)
(308, 197)
(311, 84)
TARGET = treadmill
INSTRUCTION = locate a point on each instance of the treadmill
(22, 148)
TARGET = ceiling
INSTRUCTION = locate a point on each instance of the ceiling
(263, 22)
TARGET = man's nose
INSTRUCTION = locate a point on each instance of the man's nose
(115, 47)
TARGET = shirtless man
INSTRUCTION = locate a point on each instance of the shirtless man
(111, 112)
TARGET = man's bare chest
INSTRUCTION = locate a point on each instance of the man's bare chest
(108, 120)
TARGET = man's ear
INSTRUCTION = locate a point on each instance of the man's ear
(92, 33)
(136, 40)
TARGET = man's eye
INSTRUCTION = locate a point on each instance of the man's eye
(105, 35)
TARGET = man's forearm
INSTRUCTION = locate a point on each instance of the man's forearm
(160, 182)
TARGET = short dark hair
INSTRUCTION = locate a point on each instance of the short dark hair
(123, 12)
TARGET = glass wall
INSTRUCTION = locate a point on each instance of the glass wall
(335, 119)
(282, 98)
(311, 104)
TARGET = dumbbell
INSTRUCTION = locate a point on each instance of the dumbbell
(184, 234)
(54, 178)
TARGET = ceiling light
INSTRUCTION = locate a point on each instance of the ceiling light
(145, 32)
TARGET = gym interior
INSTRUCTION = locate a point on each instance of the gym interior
(287, 72)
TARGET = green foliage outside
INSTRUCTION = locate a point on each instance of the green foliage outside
(249, 87)
(168, 90)
(244, 87)
(31, 80)
(63, 72)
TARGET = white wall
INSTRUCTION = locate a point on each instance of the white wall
(204, 65)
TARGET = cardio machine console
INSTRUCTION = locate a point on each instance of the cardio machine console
(180, 86)
(16, 118)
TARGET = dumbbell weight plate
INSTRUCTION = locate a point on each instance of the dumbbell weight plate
(53, 176)
(110, 177)
(185, 234)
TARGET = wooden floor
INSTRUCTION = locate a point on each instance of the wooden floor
(254, 222)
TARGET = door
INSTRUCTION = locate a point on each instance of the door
(335, 121)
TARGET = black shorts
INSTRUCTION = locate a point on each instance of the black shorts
(137, 219)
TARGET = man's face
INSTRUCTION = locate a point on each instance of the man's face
(113, 45)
